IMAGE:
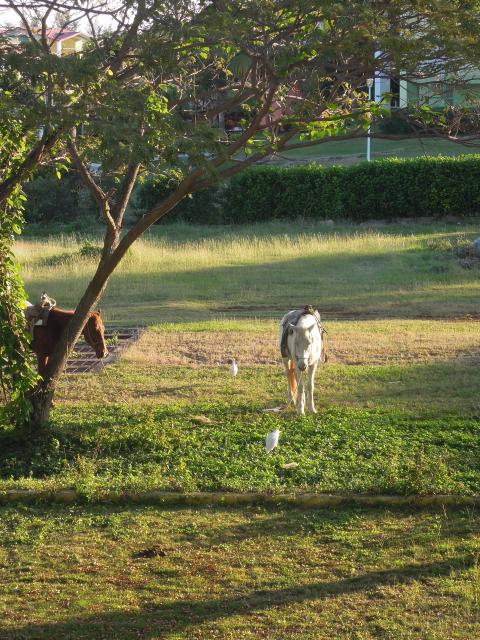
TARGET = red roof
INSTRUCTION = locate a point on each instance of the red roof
(56, 33)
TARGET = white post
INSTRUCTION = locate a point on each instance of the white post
(403, 98)
(370, 84)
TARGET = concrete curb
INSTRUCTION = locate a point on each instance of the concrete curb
(299, 500)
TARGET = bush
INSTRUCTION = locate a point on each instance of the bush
(52, 200)
(384, 189)
(396, 125)
(202, 207)
(264, 193)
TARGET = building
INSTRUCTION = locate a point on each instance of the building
(62, 42)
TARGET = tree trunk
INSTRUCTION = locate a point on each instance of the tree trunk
(41, 400)
(42, 396)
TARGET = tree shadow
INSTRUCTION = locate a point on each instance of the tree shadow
(160, 620)
(388, 284)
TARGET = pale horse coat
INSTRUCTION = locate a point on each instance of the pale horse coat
(304, 351)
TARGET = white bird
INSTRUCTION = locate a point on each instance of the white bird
(271, 440)
(233, 366)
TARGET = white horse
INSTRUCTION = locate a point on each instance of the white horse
(302, 350)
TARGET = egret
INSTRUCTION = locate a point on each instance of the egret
(271, 440)
(233, 366)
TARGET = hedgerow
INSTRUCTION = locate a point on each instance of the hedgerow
(384, 189)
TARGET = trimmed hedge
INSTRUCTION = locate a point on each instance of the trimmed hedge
(384, 189)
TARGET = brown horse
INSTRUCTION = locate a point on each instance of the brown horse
(46, 337)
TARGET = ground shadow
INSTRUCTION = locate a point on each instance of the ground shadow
(159, 620)
(389, 284)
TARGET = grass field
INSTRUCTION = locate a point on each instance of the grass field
(355, 150)
(398, 399)
(97, 573)
(180, 273)
(398, 412)
(348, 151)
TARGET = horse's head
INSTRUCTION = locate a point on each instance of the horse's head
(302, 343)
(94, 333)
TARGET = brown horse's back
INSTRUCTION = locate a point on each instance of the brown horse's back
(45, 337)
(58, 319)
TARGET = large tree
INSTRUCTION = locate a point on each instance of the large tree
(149, 95)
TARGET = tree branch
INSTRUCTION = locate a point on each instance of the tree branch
(23, 172)
(97, 192)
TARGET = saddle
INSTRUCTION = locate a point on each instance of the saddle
(37, 314)
(292, 318)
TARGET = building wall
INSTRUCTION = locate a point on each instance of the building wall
(68, 46)
(439, 95)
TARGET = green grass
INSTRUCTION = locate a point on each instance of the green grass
(408, 426)
(151, 443)
(356, 150)
(398, 400)
(398, 413)
(352, 574)
(193, 273)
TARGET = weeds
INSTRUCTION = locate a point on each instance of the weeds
(348, 450)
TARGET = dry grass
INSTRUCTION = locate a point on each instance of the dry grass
(353, 343)
(199, 273)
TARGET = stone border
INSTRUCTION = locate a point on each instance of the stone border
(299, 500)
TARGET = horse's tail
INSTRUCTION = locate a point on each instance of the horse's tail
(291, 378)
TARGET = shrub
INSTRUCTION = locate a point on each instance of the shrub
(384, 189)
(396, 125)
(201, 207)
(52, 200)
(89, 250)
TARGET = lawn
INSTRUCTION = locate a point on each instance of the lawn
(355, 150)
(180, 272)
(398, 398)
(98, 572)
(398, 413)
(349, 151)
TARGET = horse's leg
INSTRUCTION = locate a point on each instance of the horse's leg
(292, 383)
(300, 391)
(310, 386)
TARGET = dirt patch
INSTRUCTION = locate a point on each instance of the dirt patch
(210, 348)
